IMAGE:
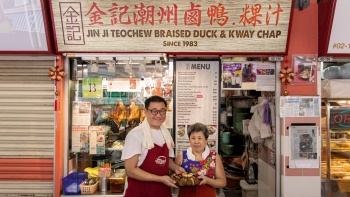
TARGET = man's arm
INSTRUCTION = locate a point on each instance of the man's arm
(177, 169)
(135, 172)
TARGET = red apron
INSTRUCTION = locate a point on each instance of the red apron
(200, 191)
(156, 162)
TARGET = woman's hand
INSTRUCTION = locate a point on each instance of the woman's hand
(203, 179)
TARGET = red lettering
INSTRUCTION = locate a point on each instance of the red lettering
(347, 117)
(193, 16)
(217, 14)
(96, 14)
(255, 15)
(277, 13)
(114, 11)
(144, 14)
(338, 118)
(168, 12)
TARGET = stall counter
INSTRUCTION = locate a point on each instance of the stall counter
(219, 193)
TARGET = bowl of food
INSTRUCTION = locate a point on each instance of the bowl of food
(186, 180)
(211, 129)
(304, 74)
(181, 131)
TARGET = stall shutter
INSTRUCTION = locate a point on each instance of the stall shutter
(27, 125)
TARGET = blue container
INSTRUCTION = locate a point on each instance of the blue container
(72, 181)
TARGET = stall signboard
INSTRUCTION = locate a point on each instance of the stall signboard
(235, 26)
(339, 118)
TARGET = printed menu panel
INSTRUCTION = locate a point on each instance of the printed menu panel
(97, 139)
(196, 100)
(80, 139)
(81, 113)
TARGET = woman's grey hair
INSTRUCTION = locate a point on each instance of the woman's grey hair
(198, 127)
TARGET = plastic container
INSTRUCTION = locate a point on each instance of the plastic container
(226, 137)
(89, 189)
(248, 190)
(72, 181)
(227, 149)
(117, 184)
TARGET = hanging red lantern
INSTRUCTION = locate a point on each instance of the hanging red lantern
(56, 73)
(286, 77)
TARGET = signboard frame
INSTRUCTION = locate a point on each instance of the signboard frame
(243, 46)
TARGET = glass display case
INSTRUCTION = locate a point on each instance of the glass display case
(106, 101)
(338, 113)
(335, 149)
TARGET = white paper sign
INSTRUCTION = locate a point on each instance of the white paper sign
(304, 147)
(197, 99)
(300, 106)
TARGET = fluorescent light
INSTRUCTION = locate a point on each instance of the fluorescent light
(118, 56)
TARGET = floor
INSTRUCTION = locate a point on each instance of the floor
(233, 192)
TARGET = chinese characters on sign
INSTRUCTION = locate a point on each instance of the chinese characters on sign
(73, 26)
(177, 26)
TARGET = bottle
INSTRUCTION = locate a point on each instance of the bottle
(223, 117)
(229, 111)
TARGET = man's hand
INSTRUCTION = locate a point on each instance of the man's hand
(179, 170)
(166, 180)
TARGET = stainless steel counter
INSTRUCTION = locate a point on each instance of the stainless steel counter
(219, 193)
(175, 192)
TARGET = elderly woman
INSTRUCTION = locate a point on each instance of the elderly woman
(201, 161)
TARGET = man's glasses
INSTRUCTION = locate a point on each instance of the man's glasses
(155, 111)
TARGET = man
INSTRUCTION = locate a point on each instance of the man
(147, 151)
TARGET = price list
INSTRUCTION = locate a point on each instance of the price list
(197, 97)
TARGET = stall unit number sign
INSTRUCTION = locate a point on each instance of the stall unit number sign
(339, 41)
(92, 88)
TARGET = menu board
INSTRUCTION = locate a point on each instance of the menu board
(197, 86)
